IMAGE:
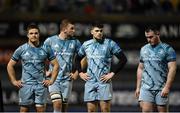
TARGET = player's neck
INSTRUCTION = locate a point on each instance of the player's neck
(100, 40)
(34, 44)
(155, 45)
(63, 36)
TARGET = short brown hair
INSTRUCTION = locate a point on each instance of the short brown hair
(97, 24)
(152, 27)
(64, 23)
(32, 26)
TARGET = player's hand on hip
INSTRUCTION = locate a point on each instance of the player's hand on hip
(17, 83)
(84, 76)
(106, 77)
(74, 75)
(47, 82)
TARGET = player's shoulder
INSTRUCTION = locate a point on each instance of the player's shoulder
(146, 46)
(45, 47)
(50, 39)
(108, 40)
(24, 46)
(88, 42)
(166, 47)
(53, 37)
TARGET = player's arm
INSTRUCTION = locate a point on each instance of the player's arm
(55, 69)
(78, 65)
(84, 64)
(12, 74)
(74, 75)
(122, 62)
(138, 81)
(54, 73)
(48, 72)
(81, 63)
(172, 66)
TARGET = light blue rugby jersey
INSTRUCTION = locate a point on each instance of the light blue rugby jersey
(64, 51)
(155, 60)
(33, 62)
(98, 57)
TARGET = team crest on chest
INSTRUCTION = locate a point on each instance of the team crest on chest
(161, 51)
(56, 46)
(71, 45)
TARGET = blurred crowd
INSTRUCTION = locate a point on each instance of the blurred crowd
(148, 7)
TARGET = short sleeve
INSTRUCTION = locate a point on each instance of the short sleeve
(81, 51)
(17, 54)
(115, 48)
(50, 52)
(171, 54)
(78, 45)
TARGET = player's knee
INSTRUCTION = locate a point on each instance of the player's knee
(55, 97)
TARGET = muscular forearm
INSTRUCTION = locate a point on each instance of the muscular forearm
(139, 75)
(122, 62)
(78, 63)
(171, 75)
(54, 73)
(138, 82)
(55, 70)
(11, 73)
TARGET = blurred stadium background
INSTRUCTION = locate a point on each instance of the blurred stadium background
(124, 21)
